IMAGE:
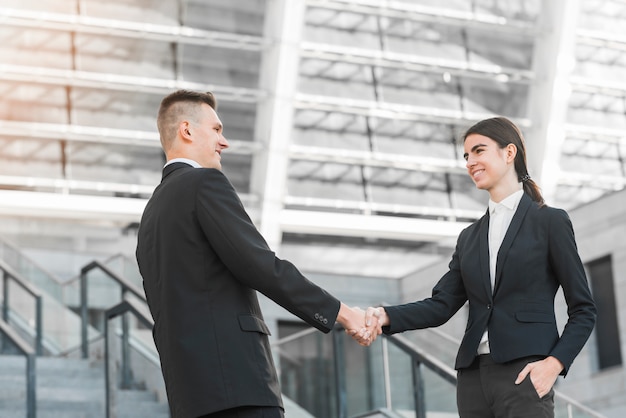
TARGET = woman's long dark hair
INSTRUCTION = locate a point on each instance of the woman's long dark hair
(504, 132)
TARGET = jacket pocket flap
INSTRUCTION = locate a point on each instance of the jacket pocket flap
(254, 324)
(534, 317)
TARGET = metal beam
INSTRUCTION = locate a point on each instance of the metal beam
(274, 121)
(595, 181)
(118, 210)
(117, 82)
(66, 185)
(381, 227)
(376, 159)
(598, 86)
(391, 110)
(595, 133)
(602, 39)
(366, 208)
(421, 13)
(553, 60)
(127, 29)
(122, 211)
(99, 135)
(408, 62)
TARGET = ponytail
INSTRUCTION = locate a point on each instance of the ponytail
(532, 189)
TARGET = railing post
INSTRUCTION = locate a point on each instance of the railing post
(5, 305)
(83, 314)
(126, 378)
(386, 374)
(5, 296)
(418, 390)
(340, 377)
(31, 396)
(24, 348)
(38, 326)
(107, 377)
(110, 388)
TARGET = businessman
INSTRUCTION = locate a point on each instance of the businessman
(202, 261)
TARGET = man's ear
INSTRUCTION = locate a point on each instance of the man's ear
(184, 130)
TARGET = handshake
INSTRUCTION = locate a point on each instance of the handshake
(363, 326)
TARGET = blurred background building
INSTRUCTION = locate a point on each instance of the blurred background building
(344, 119)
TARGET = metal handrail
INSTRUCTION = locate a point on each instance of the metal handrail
(419, 358)
(29, 353)
(430, 361)
(127, 287)
(120, 309)
(9, 273)
(4, 242)
(569, 401)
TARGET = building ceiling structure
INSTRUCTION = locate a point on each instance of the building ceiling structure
(344, 117)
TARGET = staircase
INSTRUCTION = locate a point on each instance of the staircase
(395, 378)
(69, 388)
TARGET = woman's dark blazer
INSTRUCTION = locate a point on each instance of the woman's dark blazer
(202, 259)
(538, 254)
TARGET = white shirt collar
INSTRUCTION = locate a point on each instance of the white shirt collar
(183, 160)
(510, 202)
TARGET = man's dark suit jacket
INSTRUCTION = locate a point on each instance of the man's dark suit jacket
(201, 259)
(538, 254)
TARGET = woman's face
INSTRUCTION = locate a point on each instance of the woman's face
(487, 163)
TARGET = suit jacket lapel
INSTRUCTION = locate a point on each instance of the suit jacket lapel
(524, 204)
(484, 253)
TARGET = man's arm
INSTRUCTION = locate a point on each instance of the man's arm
(244, 252)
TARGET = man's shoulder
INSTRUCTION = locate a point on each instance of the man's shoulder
(184, 172)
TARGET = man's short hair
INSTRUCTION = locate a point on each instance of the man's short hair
(178, 105)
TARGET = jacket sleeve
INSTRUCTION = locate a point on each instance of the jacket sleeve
(247, 256)
(570, 273)
(448, 296)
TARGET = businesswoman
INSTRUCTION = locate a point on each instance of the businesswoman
(509, 265)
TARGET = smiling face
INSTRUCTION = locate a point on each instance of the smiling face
(201, 138)
(489, 166)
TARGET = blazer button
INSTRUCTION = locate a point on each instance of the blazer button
(489, 306)
(325, 321)
(317, 316)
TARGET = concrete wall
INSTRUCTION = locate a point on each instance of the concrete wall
(600, 228)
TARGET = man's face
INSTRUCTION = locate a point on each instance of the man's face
(208, 138)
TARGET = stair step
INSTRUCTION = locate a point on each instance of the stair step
(92, 394)
(69, 388)
(46, 365)
(52, 408)
(126, 395)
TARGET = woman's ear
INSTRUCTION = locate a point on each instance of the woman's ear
(511, 152)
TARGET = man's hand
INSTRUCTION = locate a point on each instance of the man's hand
(379, 314)
(375, 319)
(354, 322)
(543, 374)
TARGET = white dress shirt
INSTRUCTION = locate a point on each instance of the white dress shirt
(500, 216)
(183, 160)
